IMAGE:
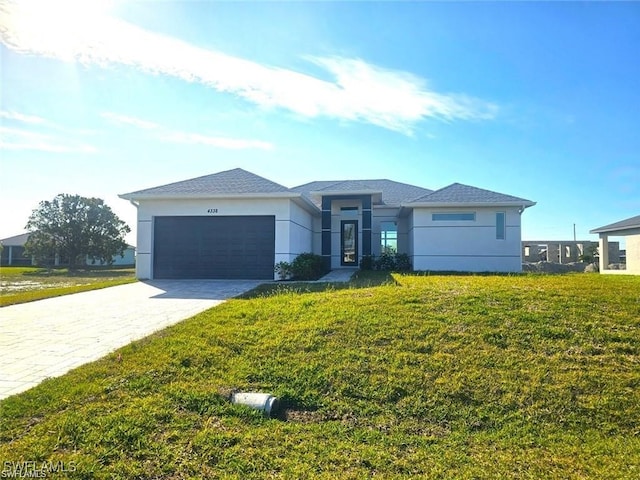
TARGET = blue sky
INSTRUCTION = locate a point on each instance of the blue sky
(537, 100)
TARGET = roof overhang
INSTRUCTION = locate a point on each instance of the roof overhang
(376, 195)
(523, 204)
(296, 197)
(618, 232)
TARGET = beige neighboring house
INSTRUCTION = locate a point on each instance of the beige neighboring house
(630, 229)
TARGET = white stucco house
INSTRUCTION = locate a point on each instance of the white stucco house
(235, 224)
(628, 228)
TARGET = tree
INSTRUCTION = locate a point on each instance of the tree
(75, 228)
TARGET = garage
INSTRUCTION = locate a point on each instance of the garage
(220, 247)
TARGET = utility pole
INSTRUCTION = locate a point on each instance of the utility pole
(574, 232)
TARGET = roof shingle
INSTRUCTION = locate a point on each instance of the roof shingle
(232, 182)
(457, 193)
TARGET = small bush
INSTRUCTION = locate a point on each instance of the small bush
(367, 262)
(398, 262)
(386, 261)
(307, 266)
(403, 262)
(284, 270)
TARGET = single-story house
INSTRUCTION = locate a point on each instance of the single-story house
(235, 224)
(628, 228)
(13, 253)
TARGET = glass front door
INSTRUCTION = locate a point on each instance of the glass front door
(349, 243)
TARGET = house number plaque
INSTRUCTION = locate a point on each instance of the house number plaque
(212, 210)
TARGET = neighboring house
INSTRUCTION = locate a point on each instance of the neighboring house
(236, 224)
(630, 229)
(564, 251)
(13, 253)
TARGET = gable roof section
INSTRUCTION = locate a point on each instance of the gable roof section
(458, 194)
(236, 182)
(16, 240)
(627, 224)
(392, 193)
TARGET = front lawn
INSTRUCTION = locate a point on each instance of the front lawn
(431, 377)
(25, 284)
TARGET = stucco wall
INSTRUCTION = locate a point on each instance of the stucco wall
(466, 245)
(633, 254)
(300, 233)
(292, 234)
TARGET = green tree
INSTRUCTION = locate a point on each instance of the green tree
(75, 228)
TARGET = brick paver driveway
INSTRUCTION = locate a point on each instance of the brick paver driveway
(47, 338)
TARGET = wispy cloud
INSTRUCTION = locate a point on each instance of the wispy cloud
(21, 117)
(124, 119)
(167, 135)
(19, 139)
(360, 91)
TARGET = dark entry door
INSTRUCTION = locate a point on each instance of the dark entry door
(349, 243)
(224, 247)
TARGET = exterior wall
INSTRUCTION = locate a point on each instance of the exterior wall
(632, 239)
(300, 233)
(466, 245)
(563, 251)
(293, 234)
(633, 254)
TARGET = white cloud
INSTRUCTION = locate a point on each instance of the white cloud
(20, 117)
(136, 122)
(168, 135)
(18, 139)
(221, 142)
(361, 92)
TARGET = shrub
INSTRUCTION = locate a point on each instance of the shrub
(284, 270)
(386, 261)
(367, 262)
(307, 266)
(393, 262)
(403, 263)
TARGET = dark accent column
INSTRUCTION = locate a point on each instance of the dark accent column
(326, 232)
(366, 225)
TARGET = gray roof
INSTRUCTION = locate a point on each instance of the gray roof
(230, 182)
(393, 193)
(238, 182)
(457, 193)
(628, 224)
(16, 240)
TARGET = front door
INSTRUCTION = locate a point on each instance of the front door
(349, 243)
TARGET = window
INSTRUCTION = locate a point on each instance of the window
(500, 226)
(453, 217)
(388, 237)
(349, 211)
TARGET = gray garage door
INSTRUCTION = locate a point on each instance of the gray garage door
(214, 247)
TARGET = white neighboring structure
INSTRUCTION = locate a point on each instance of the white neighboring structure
(236, 224)
(628, 228)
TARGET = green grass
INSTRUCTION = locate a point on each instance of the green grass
(453, 377)
(25, 284)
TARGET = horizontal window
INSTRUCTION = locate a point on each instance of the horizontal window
(453, 217)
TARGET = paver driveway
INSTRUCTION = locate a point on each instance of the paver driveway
(47, 338)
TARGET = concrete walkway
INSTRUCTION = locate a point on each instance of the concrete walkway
(47, 338)
(338, 275)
